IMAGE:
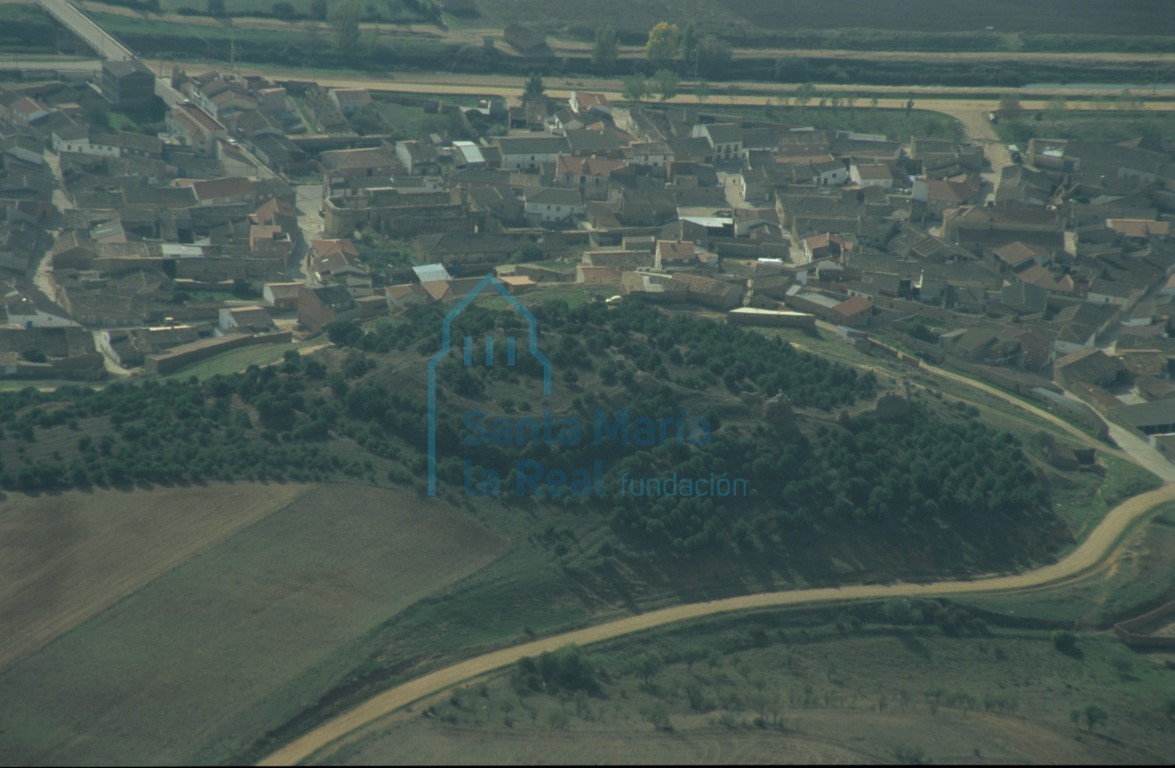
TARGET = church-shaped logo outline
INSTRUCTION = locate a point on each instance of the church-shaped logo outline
(490, 280)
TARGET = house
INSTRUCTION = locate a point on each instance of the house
(589, 175)
(1153, 418)
(941, 194)
(529, 153)
(650, 154)
(1024, 298)
(406, 295)
(366, 162)
(829, 173)
(247, 319)
(709, 292)
(283, 297)
(1120, 294)
(1017, 256)
(418, 158)
(1139, 231)
(526, 40)
(1090, 366)
(825, 246)
(554, 206)
(871, 175)
(583, 103)
(127, 83)
(674, 254)
(224, 191)
(468, 155)
(320, 306)
(977, 227)
(853, 312)
(586, 143)
(724, 139)
(200, 130)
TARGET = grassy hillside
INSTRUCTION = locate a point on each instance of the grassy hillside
(907, 683)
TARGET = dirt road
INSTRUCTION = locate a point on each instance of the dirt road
(1087, 556)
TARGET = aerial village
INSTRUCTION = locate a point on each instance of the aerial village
(267, 211)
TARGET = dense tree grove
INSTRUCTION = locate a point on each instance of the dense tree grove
(930, 478)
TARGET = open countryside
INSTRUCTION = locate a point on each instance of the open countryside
(470, 382)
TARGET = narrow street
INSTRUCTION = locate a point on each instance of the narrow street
(43, 276)
(309, 203)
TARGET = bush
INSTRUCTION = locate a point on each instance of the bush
(1064, 641)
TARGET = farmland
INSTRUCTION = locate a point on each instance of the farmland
(224, 646)
(66, 557)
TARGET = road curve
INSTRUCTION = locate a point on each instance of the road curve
(1094, 549)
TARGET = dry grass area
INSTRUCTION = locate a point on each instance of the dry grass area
(825, 737)
(216, 651)
(66, 557)
(869, 696)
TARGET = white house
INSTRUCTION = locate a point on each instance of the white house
(871, 175)
(552, 206)
(830, 173)
(527, 153)
(654, 154)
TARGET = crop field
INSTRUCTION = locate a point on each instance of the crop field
(66, 557)
(1128, 17)
(214, 652)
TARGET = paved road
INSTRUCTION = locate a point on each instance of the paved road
(104, 44)
(1091, 552)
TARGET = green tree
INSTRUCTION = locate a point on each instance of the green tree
(534, 87)
(648, 664)
(635, 87)
(283, 10)
(344, 16)
(1056, 108)
(804, 94)
(665, 84)
(606, 49)
(712, 56)
(318, 9)
(216, 8)
(688, 47)
(1093, 716)
(663, 44)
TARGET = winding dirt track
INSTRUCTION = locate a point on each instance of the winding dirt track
(1087, 556)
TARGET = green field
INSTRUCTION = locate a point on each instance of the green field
(1112, 125)
(210, 654)
(800, 686)
(235, 360)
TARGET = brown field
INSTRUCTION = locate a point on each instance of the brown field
(64, 558)
(229, 644)
(1125, 17)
